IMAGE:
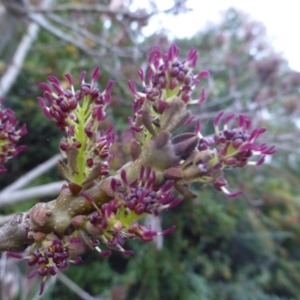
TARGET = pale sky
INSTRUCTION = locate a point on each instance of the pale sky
(281, 18)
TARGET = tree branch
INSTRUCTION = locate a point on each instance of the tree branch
(86, 8)
(31, 175)
(13, 235)
(42, 21)
(75, 288)
(82, 34)
(12, 72)
(56, 216)
(50, 189)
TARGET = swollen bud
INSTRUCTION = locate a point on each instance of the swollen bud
(184, 144)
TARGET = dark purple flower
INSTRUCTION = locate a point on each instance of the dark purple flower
(64, 102)
(230, 147)
(167, 77)
(142, 197)
(50, 257)
(9, 135)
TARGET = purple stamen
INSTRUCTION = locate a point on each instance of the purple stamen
(218, 118)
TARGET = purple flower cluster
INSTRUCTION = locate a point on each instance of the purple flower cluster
(63, 102)
(69, 107)
(115, 221)
(98, 148)
(113, 229)
(48, 259)
(231, 148)
(142, 197)
(9, 135)
(236, 146)
(79, 113)
(168, 73)
(168, 77)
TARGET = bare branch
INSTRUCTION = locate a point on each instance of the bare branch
(9, 77)
(82, 33)
(86, 8)
(16, 229)
(7, 25)
(75, 288)
(50, 189)
(31, 175)
(155, 224)
(18, 233)
(44, 23)
(56, 216)
(10, 278)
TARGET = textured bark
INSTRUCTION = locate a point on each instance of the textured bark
(54, 216)
(14, 234)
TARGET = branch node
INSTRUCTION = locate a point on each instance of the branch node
(40, 214)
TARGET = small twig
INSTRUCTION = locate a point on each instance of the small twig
(82, 33)
(155, 224)
(75, 288)
(9, 77)
(44, 23)
(2, 265)
(31, 175)
(87, 9)
(218, 101)
(10, 278)
(50, 189)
